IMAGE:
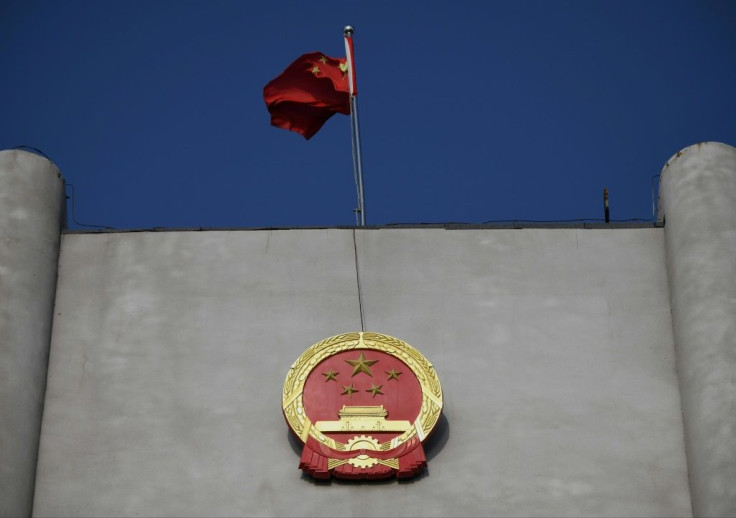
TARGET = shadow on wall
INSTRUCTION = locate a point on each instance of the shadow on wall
(432, 446)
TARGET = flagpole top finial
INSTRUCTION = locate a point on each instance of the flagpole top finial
(348, 31)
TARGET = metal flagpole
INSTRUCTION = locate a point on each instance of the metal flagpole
(354, 125)
(358, 163)
(357, 210)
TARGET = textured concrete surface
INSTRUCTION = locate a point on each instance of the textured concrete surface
(698, 203)
(31, 198)
(554, 347)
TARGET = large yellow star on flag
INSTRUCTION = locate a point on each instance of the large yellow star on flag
(361, 365)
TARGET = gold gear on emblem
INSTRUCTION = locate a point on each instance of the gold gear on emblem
(362, 442)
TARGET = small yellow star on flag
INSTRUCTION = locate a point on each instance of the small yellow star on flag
(323, 59)
(315, 70)
(361, 365)
(349, 390)
(393, 374)
(330, 375)
(375, 389)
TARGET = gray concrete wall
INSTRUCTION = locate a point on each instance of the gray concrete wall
(698, 203)
(31, 203)
(554, 347)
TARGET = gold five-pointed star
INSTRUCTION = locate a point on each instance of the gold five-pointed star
(330, 375)
(343, 67)
(323, 59)
(361, 365)
(349, 390)
(315, 70)
(375, 389)
(393, 374)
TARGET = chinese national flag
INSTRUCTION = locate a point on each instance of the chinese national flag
(310, 91)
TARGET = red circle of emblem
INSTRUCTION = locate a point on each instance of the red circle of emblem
(362, 404)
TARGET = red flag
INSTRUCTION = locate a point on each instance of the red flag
(310, 91)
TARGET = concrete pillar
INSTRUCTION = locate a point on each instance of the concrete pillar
(31, 205)
(698, 206)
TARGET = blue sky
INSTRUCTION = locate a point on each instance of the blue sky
(470, 111)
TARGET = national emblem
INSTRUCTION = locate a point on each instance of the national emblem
(344, 426)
